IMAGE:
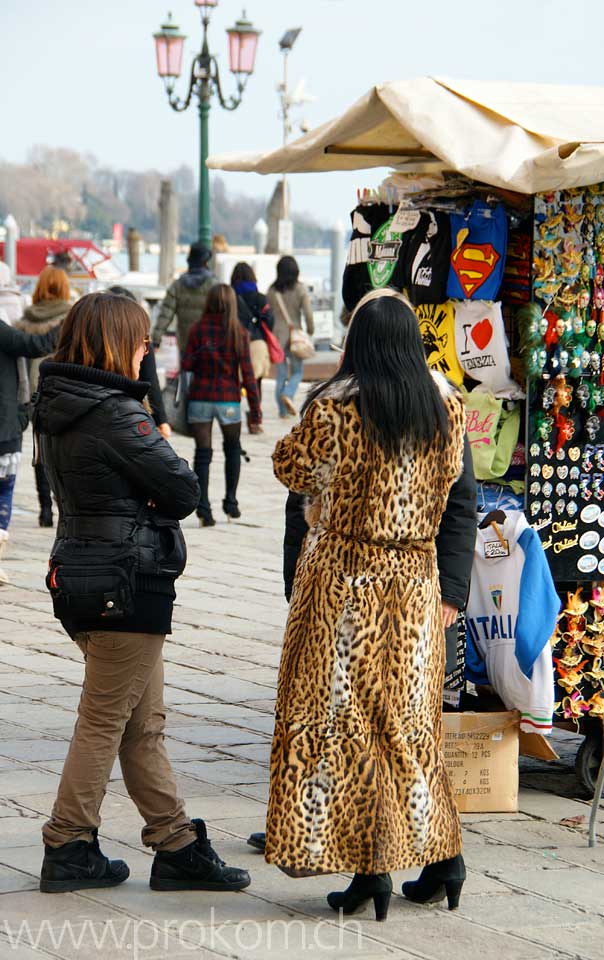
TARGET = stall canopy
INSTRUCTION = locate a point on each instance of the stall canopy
(518, 136)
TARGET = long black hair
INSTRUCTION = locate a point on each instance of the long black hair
(384, 366)
(288, 272)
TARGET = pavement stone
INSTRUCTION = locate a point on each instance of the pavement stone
(534, 888)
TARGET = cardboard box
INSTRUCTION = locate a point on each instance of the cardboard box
(481, 753)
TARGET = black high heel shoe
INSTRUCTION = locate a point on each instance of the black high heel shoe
(231, 508)
(437, 881)
(364, 886)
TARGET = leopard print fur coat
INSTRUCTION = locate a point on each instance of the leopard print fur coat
(358, 781)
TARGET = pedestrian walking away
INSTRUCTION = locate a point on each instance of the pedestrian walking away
(118, 552)
(185, 299)
(148, 374)
(50, 306)
(218, 357)
(15, 346)
(290, 303)
(358, 780)
(256, 316)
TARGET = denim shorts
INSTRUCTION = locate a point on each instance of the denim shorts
(204, 411)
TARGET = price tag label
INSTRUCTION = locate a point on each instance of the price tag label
(404, 220)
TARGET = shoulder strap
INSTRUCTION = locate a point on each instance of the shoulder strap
(283, 307)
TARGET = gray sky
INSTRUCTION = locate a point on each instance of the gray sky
(81, 73)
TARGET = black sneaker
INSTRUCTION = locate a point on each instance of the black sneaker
(257, 841)
(196, 867)
(79, 865)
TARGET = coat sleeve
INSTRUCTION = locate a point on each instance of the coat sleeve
(295, 531)
(16, 343)
(138, 451)
(191, 354)
(304, 459)
(166, 314)
(149, 373)
(457, 535)
(307, 311)
(249, 380)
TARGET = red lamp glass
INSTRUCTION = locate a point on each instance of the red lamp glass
(209, 4)
(169, 45)
(243, 42)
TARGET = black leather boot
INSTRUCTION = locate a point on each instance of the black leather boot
(196, 867)
(364, 886)
(44, 496)
(232, 469)
(79, 866)
(201, 466)
(437, 881)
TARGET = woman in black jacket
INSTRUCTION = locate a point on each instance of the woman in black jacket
(254, 310)
(121, 490)
(14, 406)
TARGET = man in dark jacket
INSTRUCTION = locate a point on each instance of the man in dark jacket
(454, 549)
(186, 297)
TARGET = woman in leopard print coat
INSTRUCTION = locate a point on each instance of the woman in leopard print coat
(358, 780)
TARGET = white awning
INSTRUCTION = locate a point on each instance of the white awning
(518, 136)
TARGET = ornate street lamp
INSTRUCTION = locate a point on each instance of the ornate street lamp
(204, 80)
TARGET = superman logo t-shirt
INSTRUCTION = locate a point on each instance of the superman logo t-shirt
(479, 241)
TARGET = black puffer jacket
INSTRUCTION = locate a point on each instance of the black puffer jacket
(106, 461)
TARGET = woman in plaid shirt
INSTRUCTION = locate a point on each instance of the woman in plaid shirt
(218, 356)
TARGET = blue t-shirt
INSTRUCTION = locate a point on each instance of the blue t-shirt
(479, 242)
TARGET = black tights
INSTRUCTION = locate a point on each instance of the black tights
(202, 433)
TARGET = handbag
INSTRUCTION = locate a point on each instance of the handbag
(88, 582)
(275, 350)
(175, 397)
(300, 344)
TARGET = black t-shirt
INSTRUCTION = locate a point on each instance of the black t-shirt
(375, 255)
(427, 256)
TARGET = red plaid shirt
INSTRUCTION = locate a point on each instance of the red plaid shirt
(215, 366)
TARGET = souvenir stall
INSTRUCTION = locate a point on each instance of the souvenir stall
(492, 224)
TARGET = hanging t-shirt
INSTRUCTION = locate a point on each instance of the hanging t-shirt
(437, 325)
(479, 242)
(492, 429)
(482, 346)
(375, 254)
(510, 618)
(427, 257)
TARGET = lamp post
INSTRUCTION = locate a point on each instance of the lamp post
(204, 80)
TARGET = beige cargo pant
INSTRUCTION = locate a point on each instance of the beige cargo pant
(121, 713)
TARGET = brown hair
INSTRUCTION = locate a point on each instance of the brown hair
(53, 284)
(222, 301)
(103, 330)
(242, 273)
